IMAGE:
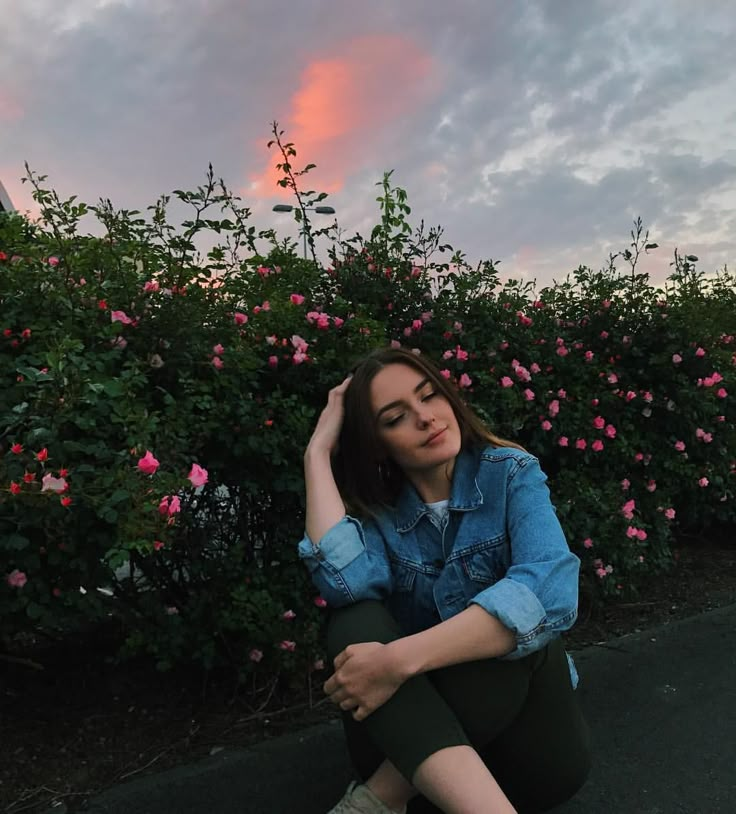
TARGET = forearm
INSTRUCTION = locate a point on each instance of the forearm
(471, 635)
(324, 504)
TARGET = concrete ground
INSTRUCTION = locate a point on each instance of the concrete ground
(661, 705)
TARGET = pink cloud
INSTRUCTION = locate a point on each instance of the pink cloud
(345, 100)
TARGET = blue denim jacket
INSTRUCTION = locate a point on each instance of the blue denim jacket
(502, 548)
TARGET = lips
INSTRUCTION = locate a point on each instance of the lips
(435, 436)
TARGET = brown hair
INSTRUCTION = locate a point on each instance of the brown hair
(366, 478)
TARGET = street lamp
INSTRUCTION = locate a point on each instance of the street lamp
(320, 210)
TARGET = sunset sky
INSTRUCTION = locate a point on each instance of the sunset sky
(534, 132)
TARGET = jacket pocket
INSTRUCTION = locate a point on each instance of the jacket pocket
(485, 563)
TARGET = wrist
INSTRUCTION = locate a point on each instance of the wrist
(404, 657)
(317, 454)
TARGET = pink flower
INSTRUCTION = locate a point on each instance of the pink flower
(151, 286)
(218, 350)
(604, 334)
(287, 645)
(264, 271)
(612, 378)
(120, 316)
(669, 514)
(448, 354)
(50, 483)
(172, 505)
(630, 395)
(680, 446)
(338, 321)
(722, 392)
(53, 261)
(320, 602)
(589, 355)
(676, 358)
(627, 510)
(639, 456)
(417, 324)
(157, 545)
(16, 579)
(198, 476)
(529, 395)
(288, 615)
(217, 363)
(562, 393)
(507, 382)
(546, 425)
(562, 351)
(273, 361)
(610, 431)
(703, 482)
(240, 318)
(588, 543)
(597, 445)
(648, 397)
(599, 422)
(581, 443)
(255, 655)
(148, 464)
(297, 299)
(462, 355)
(700, 352)
(625, 484)
(563, 441)
(299, 344)
(119, 342)
(298, 358)
(465, 380)
(446, 373)
(553, 408)
(651, 486)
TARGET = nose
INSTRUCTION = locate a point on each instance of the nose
(424, 415)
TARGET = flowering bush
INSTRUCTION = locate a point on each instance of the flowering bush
(157, 398)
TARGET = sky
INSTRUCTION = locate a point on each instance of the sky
(533, 132)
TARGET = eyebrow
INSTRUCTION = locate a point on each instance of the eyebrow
(400, 402)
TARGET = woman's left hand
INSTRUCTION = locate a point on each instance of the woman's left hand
(366, 676)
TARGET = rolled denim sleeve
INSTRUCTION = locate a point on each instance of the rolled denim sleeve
(538, 596)
(349, 563)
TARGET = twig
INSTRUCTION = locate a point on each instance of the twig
(23, 662)
(143, 768)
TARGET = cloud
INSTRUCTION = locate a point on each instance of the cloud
(344, 101)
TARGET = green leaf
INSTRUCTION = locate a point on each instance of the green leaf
(15, 542)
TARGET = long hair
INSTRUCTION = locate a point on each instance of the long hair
(368, 480)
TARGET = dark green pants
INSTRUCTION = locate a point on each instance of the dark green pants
(521, 716)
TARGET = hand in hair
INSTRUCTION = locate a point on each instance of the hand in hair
(326, 433)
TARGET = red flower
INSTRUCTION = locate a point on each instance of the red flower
(29, 477)
(15, 488)
(43, 455)
(16, 449)
(66, 501)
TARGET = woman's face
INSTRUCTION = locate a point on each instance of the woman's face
(416, 424)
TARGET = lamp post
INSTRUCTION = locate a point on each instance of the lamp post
(320, 210)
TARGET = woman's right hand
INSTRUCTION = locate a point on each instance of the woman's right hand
(327, 432)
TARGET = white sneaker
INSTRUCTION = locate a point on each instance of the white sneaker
(359, 799)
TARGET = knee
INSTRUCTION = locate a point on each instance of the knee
(366, 621)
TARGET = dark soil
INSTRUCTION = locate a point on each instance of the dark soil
(73, 724)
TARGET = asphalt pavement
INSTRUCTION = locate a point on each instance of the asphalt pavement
(661, 705)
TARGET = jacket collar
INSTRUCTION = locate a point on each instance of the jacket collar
(464, 496)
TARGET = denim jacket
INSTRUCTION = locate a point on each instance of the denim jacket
(502, 548)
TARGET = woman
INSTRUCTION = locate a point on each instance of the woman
(437, 546)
